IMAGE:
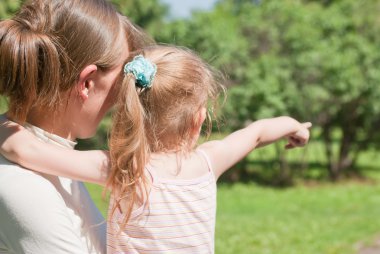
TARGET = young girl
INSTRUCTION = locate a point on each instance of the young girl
(163, 186)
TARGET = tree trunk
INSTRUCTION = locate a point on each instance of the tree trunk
(331, 164)
(304, 161)
(284, 178)
(349, 128)
(345, 160)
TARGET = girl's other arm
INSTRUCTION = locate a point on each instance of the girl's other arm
(20, 146)
(227, 152)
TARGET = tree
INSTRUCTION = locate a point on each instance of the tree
(8, 7)
(315, 60)
(148, 14)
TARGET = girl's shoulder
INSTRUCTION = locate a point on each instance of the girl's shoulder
(176, 166)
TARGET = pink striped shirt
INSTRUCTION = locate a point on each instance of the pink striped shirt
(180, 218)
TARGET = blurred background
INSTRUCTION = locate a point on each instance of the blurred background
(315, 60)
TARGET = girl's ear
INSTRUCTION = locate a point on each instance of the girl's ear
(86, 81)
(200, 117)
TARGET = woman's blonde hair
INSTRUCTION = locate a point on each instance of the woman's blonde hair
(157, 119)
(45, 46)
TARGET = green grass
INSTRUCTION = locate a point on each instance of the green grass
(96, 192)
(328, 219)
(325, 219)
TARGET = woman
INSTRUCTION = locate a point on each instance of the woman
(59, 61)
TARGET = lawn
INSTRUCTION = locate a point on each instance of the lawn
(325, 219)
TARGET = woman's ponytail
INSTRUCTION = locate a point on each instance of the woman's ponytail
(47, 44)
(30, 64)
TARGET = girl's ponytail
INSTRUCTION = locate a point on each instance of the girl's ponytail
(128, 150)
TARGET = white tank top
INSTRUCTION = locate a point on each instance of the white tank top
(180, 218)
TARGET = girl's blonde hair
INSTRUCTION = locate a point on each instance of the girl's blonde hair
(45, 46)
(159, 119)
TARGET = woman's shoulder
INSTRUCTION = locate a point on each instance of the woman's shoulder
(9, 170)
(14, 178)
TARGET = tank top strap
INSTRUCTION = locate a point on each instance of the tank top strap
(207, 159)
(152, 174)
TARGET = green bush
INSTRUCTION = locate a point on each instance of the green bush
(315, 60)
(9, 7)
(3, 104)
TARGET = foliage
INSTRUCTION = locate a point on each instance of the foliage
(8, 7)
(3, 104)
(148, 14)
(315, 60)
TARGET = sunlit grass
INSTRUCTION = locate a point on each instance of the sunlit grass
(325, 219)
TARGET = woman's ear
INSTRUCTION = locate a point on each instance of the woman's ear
(86, 82)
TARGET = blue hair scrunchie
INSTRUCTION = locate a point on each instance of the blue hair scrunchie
(143, 70)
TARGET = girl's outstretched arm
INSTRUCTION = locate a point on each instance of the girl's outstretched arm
(228, 151)
(20, 146)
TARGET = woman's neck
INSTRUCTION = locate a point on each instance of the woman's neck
(52, 122)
